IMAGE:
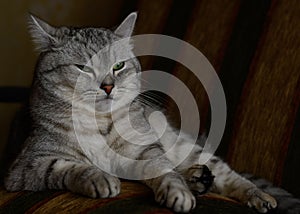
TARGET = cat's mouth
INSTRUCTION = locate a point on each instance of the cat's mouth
(104, 97)
(109, 97)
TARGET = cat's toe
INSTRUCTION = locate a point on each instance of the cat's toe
(175, 195)
(179, 199)
(98, 185)
(108, 187)
(261, 201)
(199, 178)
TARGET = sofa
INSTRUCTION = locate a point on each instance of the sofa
(134, 198)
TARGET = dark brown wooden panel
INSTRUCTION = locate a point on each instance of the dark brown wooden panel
(152, 15)
(270, 97)
(208, 29)
(290, 175)
(152, 18)
(238, 57)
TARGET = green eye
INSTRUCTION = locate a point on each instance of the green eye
(118, 66)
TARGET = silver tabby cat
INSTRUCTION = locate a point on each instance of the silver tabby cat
(53, 158)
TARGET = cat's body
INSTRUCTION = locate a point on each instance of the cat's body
(66, 150)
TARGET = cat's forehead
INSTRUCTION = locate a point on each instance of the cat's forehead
(92, 36)
(102, 43)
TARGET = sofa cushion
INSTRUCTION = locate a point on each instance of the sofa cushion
(134, 198)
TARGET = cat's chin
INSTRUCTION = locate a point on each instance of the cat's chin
(103, 105)
(106, 105)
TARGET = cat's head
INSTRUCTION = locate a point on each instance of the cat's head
(87, 63)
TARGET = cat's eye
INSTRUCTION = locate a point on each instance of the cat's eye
(84, 68)
(118, 66)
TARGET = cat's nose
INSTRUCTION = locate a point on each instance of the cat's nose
(107, 88)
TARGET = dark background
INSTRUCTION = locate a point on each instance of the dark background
(253, 45)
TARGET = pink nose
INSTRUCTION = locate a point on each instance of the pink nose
(107, 88)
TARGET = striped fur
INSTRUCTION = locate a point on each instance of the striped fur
(53, 158)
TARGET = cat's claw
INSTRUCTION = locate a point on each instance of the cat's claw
(261, 201)
(176, 196)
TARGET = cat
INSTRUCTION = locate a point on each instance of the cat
(53, 158)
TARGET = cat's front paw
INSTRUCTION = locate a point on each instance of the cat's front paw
(176, 196)
(261, 201)
(199, 178)
(96, 184)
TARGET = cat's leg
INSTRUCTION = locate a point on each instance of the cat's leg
(185, 155)
(229, 183)
(170, 188)
(59, 173)
(226, 181)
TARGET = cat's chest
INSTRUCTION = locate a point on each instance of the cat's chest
(104, 125)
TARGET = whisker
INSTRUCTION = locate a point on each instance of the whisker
(149, 102)
(153, 96)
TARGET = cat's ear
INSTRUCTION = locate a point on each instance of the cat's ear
(125, 29)
(42, 33)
